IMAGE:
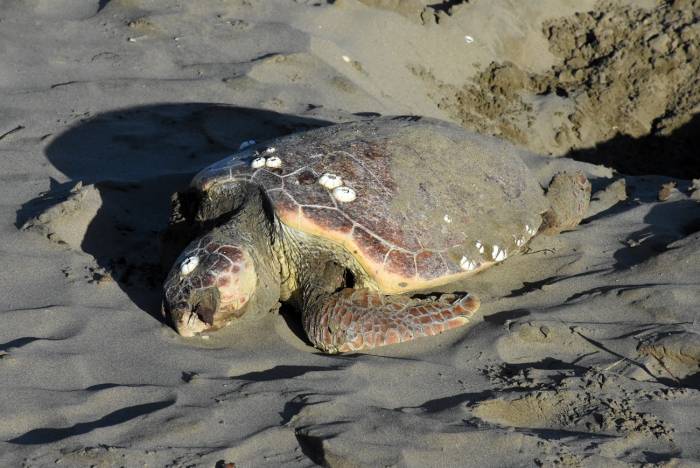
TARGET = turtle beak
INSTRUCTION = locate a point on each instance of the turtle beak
(197, 316)
(207, 305)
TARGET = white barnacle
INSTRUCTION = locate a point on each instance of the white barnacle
(530, 230)
(246, 144)
(344, 194)
(498, 254)
(479, 246)
(466, 264)
(468, 39)
(447, 219)
(273, 162)
(519, 241)
(330, 181)
(257, 163)
(188, 265)
(270, 150)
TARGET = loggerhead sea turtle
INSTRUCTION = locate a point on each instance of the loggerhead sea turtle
(346, 222)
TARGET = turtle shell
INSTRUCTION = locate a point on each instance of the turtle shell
(418, 202)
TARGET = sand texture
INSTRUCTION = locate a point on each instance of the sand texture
(586, 349)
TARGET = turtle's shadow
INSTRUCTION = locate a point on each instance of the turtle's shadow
(673, 155)
(664, 224)
(136, 158)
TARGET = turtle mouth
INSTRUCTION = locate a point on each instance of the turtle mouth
(196, 316)
(206, 305)
(190, 324)
(204, 312)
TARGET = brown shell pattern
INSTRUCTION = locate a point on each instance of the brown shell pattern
(433, 201)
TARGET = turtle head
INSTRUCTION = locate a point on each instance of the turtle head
(210, 284)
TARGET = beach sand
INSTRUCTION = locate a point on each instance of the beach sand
(585, 352)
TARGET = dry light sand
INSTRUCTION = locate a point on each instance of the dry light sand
(585, 351)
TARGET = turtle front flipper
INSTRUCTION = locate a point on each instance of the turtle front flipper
(360, 319)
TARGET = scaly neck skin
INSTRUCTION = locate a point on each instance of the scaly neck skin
(287, 254)
(253, 228)
(309, 271)
(286, 261)
(290, 266)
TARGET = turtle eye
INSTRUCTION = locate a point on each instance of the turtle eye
(188, 265)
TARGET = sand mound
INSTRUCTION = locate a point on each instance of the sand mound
(97, 219)
(575, 410)
(65, 214)
(616, 82)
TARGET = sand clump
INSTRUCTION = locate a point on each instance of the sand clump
(92, 218)
(623, 71)
(65, 214)
(574, 403)
(676, 356)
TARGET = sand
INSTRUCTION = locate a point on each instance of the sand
(585, 351)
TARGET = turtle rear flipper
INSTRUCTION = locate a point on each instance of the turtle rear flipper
(569, 194)
(360, 319)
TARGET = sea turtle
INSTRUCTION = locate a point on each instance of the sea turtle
(347, 222)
